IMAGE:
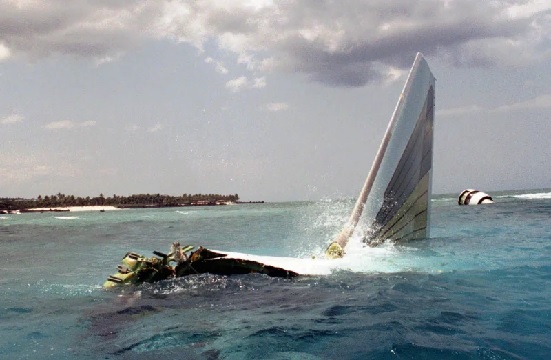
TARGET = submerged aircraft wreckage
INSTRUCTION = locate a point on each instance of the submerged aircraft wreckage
(474, 197)
(395, 199)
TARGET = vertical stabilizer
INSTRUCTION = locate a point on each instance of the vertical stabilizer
(396, 193)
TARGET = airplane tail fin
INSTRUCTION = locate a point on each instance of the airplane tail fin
(396, 192)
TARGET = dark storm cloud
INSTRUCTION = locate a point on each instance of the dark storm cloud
(349, 37)
(81, 28)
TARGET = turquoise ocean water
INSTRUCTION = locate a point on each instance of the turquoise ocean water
(479, 288)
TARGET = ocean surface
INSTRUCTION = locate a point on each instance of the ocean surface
(479, 288)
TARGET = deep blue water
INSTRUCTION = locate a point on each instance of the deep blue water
(479, 288)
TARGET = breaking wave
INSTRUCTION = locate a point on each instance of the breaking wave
(534, 196)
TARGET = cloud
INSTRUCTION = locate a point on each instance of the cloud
(259, 83)
(68, 124)
(236, 85)
(274, 107)
(219, 66)
(528, 8)
(98, 30)
(338, 43)
(4, 52)
(243, 82)
(21, 167)
(350, 43)
(132, 128)
(460, 110)
(539, 102)
(87, 123)
(395, 74)
(155, 128)
(11, 119)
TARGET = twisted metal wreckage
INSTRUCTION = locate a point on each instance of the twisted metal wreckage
(137, 269)
(395, 195)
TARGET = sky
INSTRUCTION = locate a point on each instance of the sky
(272, 100)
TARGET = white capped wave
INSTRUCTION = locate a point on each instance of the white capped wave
(443, 199)
(66, 217)
(359, 258)
(3, 218)
(535, 196)
(71, 289)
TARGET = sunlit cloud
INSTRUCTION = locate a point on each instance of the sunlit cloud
(259, 83)
(237, 84)
(218, 65)
(68, 124)
(528, 8)
(5, 52)
(243, 82)
(279, 106)
(395, 74)
(155, 128)
(11, 119)
(87, 123)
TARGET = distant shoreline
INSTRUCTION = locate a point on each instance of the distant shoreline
(125, 207)
(72, 209)
(63, 202)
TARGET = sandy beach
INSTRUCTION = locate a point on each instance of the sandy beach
(77, 208)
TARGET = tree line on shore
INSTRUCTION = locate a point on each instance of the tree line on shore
(135, 200)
